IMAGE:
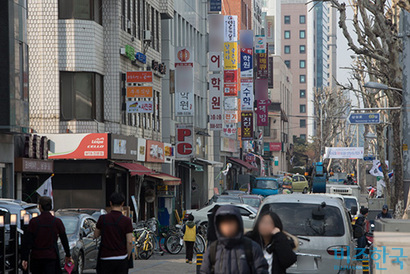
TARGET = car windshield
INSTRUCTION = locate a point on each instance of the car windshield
(349, 202)
(228, 199)
(297, 219)
(267, 184)
(255, 202)
(70, 223)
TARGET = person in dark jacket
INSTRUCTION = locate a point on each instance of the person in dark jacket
(230, 254)
(41, 240)
(362, 222)
(277, 247)
(384, 214)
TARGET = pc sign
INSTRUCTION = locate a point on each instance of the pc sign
(185, 141)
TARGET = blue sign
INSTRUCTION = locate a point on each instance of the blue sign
(246, 62)
(215, 5)
(369, 158)
(141, 57)
(364, 118)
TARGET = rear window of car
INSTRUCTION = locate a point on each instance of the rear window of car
(255, 202)
(228, 199)
(349, 202)
(297, 219)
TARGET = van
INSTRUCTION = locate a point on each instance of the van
(323, 226)
(266, 186)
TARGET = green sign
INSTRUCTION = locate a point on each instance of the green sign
(130, 52)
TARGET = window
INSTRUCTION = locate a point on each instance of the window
(302, 19)
(302, 123)
(287, 19)
(302, 63)
(287, 49)
(302, 108)
(302, 93)
(302, 78)
(302, 34)
(287, 63)
(153, 28)
(80, 9)
(81, 96)
(266, 130)
(287, 34)
(302, 49)
(123, 24)
(303, 136)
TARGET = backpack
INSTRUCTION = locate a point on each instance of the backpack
(248, 253)
(358, 231)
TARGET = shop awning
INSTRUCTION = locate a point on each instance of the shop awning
(242, 163)
(135, 169)
(192, 165)
(166, 178)
(209, 162)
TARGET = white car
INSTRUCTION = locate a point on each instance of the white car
(248, 214)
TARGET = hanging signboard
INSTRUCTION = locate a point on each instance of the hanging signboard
(215, 61)
(184, 141)
(184, 82)
(215, 5)
(246, 62)
(247, 125)
(216, 36)
(155, 152)
(215, 98)
(184, 103)
(260, 44)
(231, 89)
(270, 72)
(261, 89)
(230, 28)
(247, 97)
(231, 103)
(262, 113)
(262, 65)
(140, 107)
(139, 77)
(230, 55)
(270, 29)
(230, 76)
(230, 129)
(139, 92)
(230, 116)
(246, 38)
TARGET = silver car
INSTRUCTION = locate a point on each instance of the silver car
(322, 225)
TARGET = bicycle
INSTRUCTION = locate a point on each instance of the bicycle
(147, 242)
(175, 242)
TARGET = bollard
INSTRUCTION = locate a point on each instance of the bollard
(199, 258)
(2, 246)
(365, 265)
(24, 226)
(13, 244)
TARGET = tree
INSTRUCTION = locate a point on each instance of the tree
(376, 24)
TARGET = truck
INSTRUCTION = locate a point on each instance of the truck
(266, 186)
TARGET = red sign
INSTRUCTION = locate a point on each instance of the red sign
(139, 77)
(155, 151)
(183, 55)
(185, 141)
(262, 112)
(231, 76)
(275, 146)
(247, 125)
(231, 89)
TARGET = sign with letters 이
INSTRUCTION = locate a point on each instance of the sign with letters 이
(215, 61)
(215, 99)
(230, 28)
(247, 125)
(140, 107)
(139, 76)
(246, 62)
(247, 96)
(262, 112)
(230, 55)
(184, 141)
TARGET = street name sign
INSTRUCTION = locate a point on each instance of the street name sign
(364, 118)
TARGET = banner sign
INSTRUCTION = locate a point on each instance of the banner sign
(230, 76)
(270, 72)
(247, 97)
(231, 89)
(215, 98)
(260, 44)
(275, 146)
(231, 116)
(139, 92)
(140, 106)
(215, 5)
(229, 129)
(247, 125)
(184, 82)
(231, 103)
(246, 38)
(262, 112)
(246, 62)
(262, 65)
(155, 152)
(261, 89)
(184, 103)
(139, 76)
(270, 29)
(343, 153)
(215, 61)
(230, 28)
(230, 55)
(216, 36)
(184, 141)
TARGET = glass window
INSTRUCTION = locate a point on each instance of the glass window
(302, 19)
(302, 34)
(302, 123)
(80, 9)
(302, 108)
(303, 136)
(287, 34)
(302, 49)
(287, 49)
(302, 63)
(287, 19)
(302, 78)
(287, 63)
(83, 87)
(302, 93)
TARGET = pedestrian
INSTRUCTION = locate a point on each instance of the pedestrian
(384, 214)
(276, 245)
(40, 241)
(232, 252)
(210, 232)
(189, 230)
(360, 231)
(115, 230)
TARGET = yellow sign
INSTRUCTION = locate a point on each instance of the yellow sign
(405, 147)
(230, 55)
(162, 188)
(139, 92)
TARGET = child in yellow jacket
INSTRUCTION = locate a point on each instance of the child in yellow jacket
(189, 230)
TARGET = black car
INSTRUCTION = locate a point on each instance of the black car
(80, 232)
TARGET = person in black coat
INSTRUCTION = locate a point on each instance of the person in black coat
(276, 245)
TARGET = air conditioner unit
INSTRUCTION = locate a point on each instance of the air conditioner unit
(128, 24)
(122, 51)
(147, 35)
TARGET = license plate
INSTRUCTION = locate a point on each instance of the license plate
(306, 263)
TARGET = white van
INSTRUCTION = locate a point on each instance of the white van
(322, 225)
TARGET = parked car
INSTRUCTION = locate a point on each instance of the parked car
(94, 212)
(352, 204)
(248, 214)
(80, 232)
(287, 183)
(266, 186)
(322, 225)
(252, 200)
(300, 183)
(233, 192)
(225, 199)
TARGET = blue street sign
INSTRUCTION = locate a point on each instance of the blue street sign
(369, 158)
(215, 5)
(364, 118)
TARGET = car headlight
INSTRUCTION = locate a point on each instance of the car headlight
(72, 244)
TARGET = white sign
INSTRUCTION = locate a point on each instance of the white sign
(141, 149)
(230, 28)
(270, 29)
(184, 105)
(120, 146)
(260, 44)
(216, 36)
(247, 96)
(215, 61)
(230, 129)
(231, 103)
(215, 101)
(230, 117)
(140, 107)
(184, 141)
(184, 82)
(343, 153)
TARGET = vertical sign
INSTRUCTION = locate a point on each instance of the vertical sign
(270, 72)
(184, 82)
(215, 61)
(262, 112)
(270, 29)
(184, 141)
(215, 5)
(230, 55)
(230, 28)
(247, 97)
(260, 44)
(246, 62)
(261, 89)
(215, 101)
(262, 65)
(247, 125)
(216, 36)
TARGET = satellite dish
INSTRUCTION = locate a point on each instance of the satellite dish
(149, 195)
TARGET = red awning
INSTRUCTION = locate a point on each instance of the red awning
(242, 163)
(135, 169)
(166, 178)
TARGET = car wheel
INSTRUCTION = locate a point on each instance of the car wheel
(205, 228)
(305, 190)
(79, 266)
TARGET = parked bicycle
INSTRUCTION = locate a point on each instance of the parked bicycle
(146, 242)
(175, 242)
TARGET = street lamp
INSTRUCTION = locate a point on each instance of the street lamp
(379, 86)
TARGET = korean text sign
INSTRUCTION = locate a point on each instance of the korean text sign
(215, 101)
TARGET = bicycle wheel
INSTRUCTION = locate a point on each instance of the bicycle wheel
(199, 245)
(146, 250)
(173, 244)
(161, 242)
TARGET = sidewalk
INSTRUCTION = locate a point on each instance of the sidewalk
(164, 264)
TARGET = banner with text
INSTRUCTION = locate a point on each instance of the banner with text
(184, 82)
(247, 97)
(247, 125)
(215, 99)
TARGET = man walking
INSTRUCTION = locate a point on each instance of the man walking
(41, 240)
(116, 238)
(385, 213)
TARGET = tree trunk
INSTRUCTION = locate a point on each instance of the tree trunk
(397, 200)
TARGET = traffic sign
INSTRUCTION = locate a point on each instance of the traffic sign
(369, 158)
(364, 118)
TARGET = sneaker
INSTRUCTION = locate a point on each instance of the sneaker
(190, 262)
(187, 261)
